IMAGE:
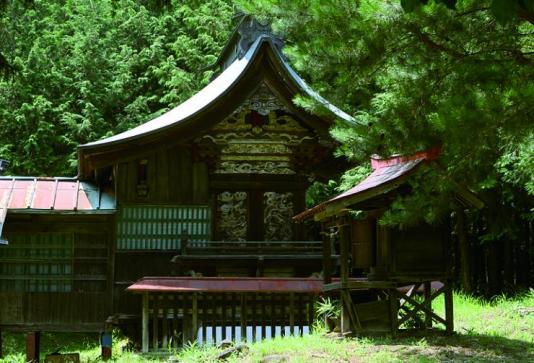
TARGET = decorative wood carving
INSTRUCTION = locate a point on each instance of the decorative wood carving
(278, 210)
(260, 137)
(232, 216)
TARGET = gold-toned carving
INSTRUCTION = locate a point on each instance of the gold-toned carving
(259, 167)
(255, 147)
(263, 101)
(232, 214)
(278, 211)
(260, 137)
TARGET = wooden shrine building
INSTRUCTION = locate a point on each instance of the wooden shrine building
(206, 189)
(381, 268)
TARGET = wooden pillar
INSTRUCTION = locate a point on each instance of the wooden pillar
(345, 315)
(164, 322)
(155, 322)
(344, 251)
(243, 317)
(32, 347)
(291, 313)
(428, 304)
(449, 317)
(186, 332)
(194, 317)
(106, 345)
(144, 323)
(393, 312)
(327, 257)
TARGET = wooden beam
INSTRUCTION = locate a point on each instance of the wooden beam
(393, 312)
(291, 313)
(186, 333)
(420, 307)
(155, 321)
(428, 303)
(144, 323)
(33, 347)
(327, 256)
(243, 317)
(449, 317)
(194, 317)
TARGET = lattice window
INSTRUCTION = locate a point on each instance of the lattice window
(37, 262)
(161, 227)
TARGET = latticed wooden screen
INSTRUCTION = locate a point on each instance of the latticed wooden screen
(37, 262)
(161, 227)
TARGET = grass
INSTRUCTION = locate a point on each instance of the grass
(496, 331)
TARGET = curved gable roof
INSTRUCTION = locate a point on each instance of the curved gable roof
(209, 94)
(228, 82)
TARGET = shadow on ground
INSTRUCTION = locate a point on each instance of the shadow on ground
(460, 347)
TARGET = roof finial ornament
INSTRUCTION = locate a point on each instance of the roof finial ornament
(250, 29)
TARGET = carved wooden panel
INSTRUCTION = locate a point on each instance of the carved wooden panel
(277, 213)
(260, 137)
(232, 216)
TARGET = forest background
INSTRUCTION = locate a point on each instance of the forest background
(413, 73)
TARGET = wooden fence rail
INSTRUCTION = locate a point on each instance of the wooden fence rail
(170, 320)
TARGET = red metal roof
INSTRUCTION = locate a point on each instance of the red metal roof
(61, 194)
(227, 284)
(33, 195)
(385, 171)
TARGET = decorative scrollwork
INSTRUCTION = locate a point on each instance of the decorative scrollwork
(254, 167)
(278, 211)
(263, 101)
(232, 214)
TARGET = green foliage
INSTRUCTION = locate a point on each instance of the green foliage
(503, 10)
(413, 80)
(89, 69)
(328, 307)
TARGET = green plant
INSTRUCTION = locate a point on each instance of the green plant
(328, 308)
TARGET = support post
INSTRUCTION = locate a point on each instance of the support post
(291, 313)
(1, 353)
(32, 346)
(145, 323)
(449, 317)
(185, 320)
(428, 304)
(393, 312)
(243, 318)
(194, 317)
(344, 248)
(106, 345)
(345, 315)
(327, 257)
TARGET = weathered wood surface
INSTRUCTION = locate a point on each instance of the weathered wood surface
(78, 298)
(205, 317)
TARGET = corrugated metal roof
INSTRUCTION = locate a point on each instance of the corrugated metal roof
(64, 195)
(386, 171)
(215, 89)
(53, 194)
(227, 284)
